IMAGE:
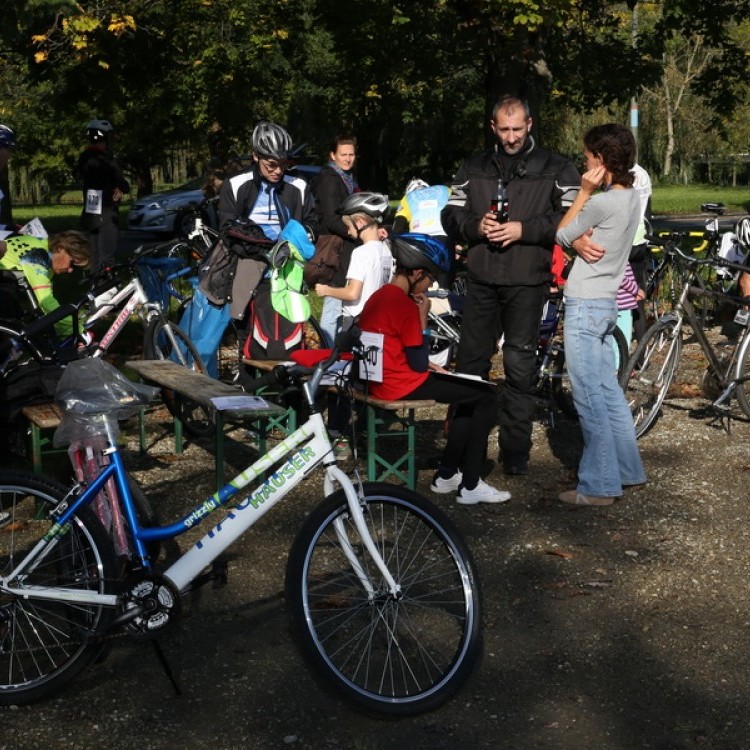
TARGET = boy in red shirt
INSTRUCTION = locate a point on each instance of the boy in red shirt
(398, 311)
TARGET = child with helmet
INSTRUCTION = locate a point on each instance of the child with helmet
(399, 311)
(371, 264)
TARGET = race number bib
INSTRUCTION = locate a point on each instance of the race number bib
(93, 202)
(371, 367)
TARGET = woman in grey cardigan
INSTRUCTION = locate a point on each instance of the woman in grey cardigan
(610, 459)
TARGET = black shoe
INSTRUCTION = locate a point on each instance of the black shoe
(516, 466)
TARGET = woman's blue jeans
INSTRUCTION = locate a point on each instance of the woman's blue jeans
(610, 454)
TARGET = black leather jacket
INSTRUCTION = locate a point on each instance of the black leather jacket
(541, 187)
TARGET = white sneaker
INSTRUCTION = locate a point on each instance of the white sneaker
(443, 486)
(482, 493)
(4, 517)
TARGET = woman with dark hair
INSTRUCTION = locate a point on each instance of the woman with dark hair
(610, 459)
(333, 185)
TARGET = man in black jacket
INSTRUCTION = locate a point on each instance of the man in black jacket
(508, 261)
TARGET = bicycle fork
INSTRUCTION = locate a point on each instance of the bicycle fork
(355, 509)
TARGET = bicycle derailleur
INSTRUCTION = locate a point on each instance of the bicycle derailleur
(151, 603)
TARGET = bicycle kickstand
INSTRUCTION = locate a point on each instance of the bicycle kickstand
(165, 665)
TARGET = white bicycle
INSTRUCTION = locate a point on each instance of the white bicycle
(382, 590)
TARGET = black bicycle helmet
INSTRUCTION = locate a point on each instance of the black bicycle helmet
(372, 204)
(7, 137)
(414, 251)
(271, 141)
(97, 130)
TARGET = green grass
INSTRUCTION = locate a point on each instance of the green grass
(55, 218)
(667, 199)
(687, 199)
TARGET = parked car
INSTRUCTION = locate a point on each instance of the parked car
(169, 213)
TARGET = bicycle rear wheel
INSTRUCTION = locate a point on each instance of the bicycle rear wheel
(742, 374)
(45, 644)
(400, 655)
(650, 371)
(165, 340)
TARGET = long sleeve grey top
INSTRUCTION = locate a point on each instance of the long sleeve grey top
(614, 217)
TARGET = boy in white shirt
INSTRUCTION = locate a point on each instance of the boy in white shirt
(371, 265)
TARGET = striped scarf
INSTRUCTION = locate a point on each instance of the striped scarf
(347, 177)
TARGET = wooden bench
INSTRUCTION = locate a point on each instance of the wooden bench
(41, 419)
(202, 389)
(381, 418)
(387, 422)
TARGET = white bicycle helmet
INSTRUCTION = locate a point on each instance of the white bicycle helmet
(7, 137)
(742, 230)
(97, 129)
(416, 184)
(271, 141)
(372, 204)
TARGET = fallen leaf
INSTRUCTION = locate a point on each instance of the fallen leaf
(559, 553)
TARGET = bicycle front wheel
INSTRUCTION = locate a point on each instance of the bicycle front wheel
(650, 371)
(45, 644)
(165, 340)
(394, 655)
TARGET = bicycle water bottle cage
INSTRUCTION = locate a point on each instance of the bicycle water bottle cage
(714, 208)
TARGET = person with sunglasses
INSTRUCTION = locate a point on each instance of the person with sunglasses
(263, 200)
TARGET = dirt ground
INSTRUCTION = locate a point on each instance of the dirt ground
(608, 628)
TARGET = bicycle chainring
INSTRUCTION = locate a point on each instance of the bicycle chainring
(157, 601)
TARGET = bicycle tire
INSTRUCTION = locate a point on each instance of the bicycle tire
(742, 391)
(396, 657)
(650, 371)
(196, 419)
(45, 644)
(561, 390)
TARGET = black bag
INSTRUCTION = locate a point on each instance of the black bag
(216, 273)
(30, 383)
(325, 262)
(271, 336)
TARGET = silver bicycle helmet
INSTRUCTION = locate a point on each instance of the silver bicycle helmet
(742, 230)
(271, 141)
(372, 204)
(7, 137)
(97, 129)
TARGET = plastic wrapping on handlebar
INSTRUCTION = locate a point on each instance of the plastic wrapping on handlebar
(48, 320)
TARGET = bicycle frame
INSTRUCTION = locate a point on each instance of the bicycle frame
(305, 450)
(136, 297)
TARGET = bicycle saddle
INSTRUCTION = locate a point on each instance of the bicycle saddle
(713, 208)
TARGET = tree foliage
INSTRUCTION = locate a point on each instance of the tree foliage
(414, 81)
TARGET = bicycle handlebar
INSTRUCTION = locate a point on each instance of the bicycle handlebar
(670, 245)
